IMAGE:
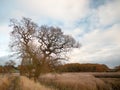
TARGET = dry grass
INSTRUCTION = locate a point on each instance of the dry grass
(4, 83)
(75, 81)
(113, 83)
(20, 83)
(65, 81)
(107, 75)
(27, 84)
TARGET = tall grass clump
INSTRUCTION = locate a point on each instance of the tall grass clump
(113, 83)
(27, 84)
(4, 83)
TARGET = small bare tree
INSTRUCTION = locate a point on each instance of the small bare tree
(9, 65)
(22, 37)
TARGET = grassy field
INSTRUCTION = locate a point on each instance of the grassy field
(82, 81)
(64, 81)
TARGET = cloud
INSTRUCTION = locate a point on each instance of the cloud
(57, 9)
(109, 13)
(103, 16)
(3, 59)
(4, 40)
(99, 46)
(76, 32)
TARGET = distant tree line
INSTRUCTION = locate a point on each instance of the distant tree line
(8, 68)
(117, 68)
(76, 67)
(71, 67)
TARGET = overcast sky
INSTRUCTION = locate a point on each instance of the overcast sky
(94, 23)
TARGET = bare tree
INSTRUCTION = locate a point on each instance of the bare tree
(9, 65)
(40, 48)
(53, 45)
(22, 37)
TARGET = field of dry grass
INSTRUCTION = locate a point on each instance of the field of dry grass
(80, 81)
(65, 81)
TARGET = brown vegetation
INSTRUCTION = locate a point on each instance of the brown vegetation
(8, 68)
(27, 84)
(4, 82)
(107, 75)
(20, 83)
(65, 81)
(117, 68)
(113, 83)
(78, 81)
(76, 67)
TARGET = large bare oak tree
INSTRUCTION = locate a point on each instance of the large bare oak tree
(41, 49)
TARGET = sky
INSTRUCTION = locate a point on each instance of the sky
(94, 23)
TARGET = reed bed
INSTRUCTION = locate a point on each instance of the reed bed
(73, 81)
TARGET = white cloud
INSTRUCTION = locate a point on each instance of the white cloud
(68, 10)
(109, 13)
(4, 40)
(99, 46)
(75, 32)
(4, 31)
